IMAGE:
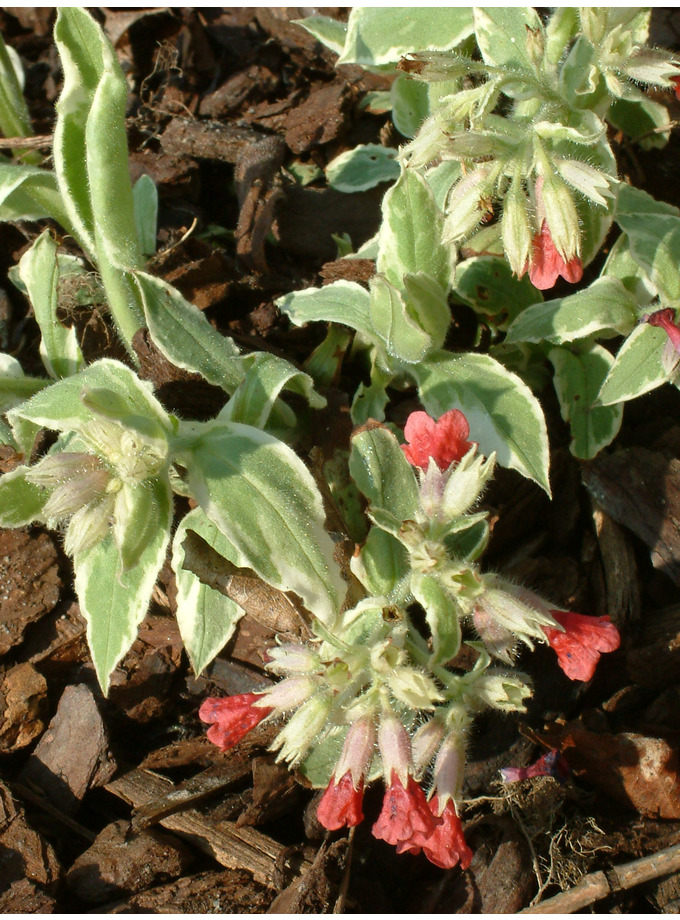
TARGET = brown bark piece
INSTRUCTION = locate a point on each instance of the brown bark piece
(641, 490)
(61, 639)
(24, 852)
(73, 755)
(318, 887)
(25, 897)
(29, 576)
(176, 177)
(232, 846)
(654, 661)
(275, 793)
(229, 891)
(257, 192)
(203, 282)
(321, 118)
(119, 863)
(23, 693)
(206, 140)
(359, 270)
(620, 570)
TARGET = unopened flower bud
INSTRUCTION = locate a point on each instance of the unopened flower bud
(89, 525)
(358, 749)
(535, 46)
(561, 216)
(464, 211)
(395, 748)
(292, 658)
(298, 735)
(288, 694)
(425, 744)
(516, 228)
(449, 768)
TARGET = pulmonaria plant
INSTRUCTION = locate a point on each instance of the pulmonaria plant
(373, 696)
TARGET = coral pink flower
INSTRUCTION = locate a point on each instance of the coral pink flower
(405, 820)
(233, 717)
(340, 805)
(547, 265)
(665, 319)
(445, 441)
(584, 639)
(446, 846)
(550, 764)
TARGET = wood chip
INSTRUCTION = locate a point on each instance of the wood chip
(23, 694)
(25, 854)
(29, 583)
(232, 846)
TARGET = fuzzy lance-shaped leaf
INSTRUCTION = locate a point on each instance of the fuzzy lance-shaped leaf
(185, 336)
(501, 34)
(363, 167)
(605, 308)
(142, 508)
(330, 32)
(383, 474)
(441, 612)
(264, 380)
(382, 563)
(403, 338)
(638, 367)
(370, 400)
(39, 271)
(489, 286)
(114, 602)
(382, 35)
(264, 500)
(206, 617)
(640, 117)
(341, 302)
(426, 301)
(15, 387)
(6, 437)
(61, 406)
(15, 120)
(653, 229)
(503, 413)
(578, 378)
(21, 502)
(411, 233)
(145, 200)
(30, 193)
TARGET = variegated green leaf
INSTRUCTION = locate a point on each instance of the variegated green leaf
(383, 474)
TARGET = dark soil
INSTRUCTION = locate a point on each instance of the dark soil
(223, 103)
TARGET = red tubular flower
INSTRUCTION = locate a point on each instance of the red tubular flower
(584, 639)
(232, 717)
(676, 85)
(340, 805)
(665, 319)
(446, 846)
(405, 820)
(445, 440)
(547, 265)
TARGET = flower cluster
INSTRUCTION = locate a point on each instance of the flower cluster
(377, 699)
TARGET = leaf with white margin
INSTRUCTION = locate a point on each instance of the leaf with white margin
(403, 338)
(206, 617)
(382, 35)
(620, 264)
(30, 193)
(605, 307)
(442, 614)
(578, 378)
(411, 233)
(638, 367)
(342, 302)
(503, 413)
(61, 407)
(266, 377)
(141, 509)
(653, 229)
(113, 602)
(184, 335)
(330, 32)
(363, 167)
(502, 35)
(39, 271)
(264, 500)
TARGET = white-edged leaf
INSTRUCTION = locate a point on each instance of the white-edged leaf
(330, 32)
(382, 35)
(411, 233)
(30, 193)
(605, 307)
(39, 271)
(502, 34)
(503, 413)
(342, 302)
(142, 508)
(403, 338)
(185, 336)
(442, 614)
(61, 406)
(621, 264)
(638, 367)
(382, 473)
(578, 378)
(653, 229)
(113, 602)
(363, 167)
(15, 387)
(264, 500)
(410, 104)
(206, 617)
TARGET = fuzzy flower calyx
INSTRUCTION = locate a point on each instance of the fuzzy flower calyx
(581, 641)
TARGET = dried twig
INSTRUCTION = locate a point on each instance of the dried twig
(599, 885)
(26, 143)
